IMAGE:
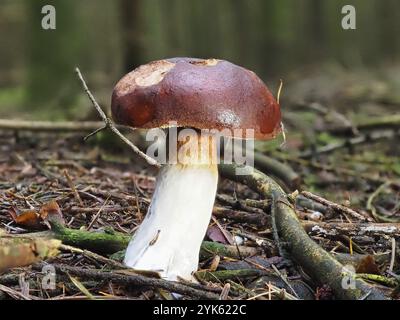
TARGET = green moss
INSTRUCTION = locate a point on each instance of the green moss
(228, 274)
(326, 138)
(101, 242)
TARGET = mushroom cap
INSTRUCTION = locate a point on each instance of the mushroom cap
(196, 93)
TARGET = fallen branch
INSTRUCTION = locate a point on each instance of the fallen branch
(273, 291)
(136, 280)
(256, 219)
(356, 259)
(110, 241)
(109, 262)
(223, 275)
(318, 263)
(365, 138)
(374, 123)
(15, 294)
(248, 205)
(322, 110)
(106, 242)
(390, 282)
(372, 209)
(335, 206)
(353, 229)
(52, 126)
(278, 169)
(209, 249)
(331, 168)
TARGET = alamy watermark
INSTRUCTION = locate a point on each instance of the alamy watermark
(349, 20)
(49, 278)
(348, 277)
(207, 146)
(49, 18)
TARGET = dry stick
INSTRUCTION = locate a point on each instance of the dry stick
(374, 123)
(336, 206)
(223, 275)
(15, 294)
(319, 166)
(111, 263)
(372, 209)
(109, 124)
(352, 229)
(277, 169)
(284, 279)
(273, 167)
(137, 280)
(82, 126)
(225, 292)
(72, 187)
(321, 109)
(56, 126)
(248, 205)
(318, 263)
(393, 257)
(112, 208)
(281, 250)
(371, 137)
(96, 216)
(257, 219)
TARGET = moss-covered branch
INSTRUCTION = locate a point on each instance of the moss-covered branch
(105, 242)
(318, 263)
(110, 241)
(223, 275)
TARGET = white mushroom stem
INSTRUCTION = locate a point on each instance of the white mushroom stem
(168, 240)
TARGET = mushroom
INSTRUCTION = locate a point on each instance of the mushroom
(196, 94)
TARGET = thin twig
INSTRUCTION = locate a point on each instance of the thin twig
(275, 234)
(393, 256)
(111, 263)
(96, 216)
(108, 123)
(365, 138)
(225, 291)
(73, 188)
(371, 207)
(94, 132)
(284, 280)
(335, 206)
(49, 126)
(15, 294)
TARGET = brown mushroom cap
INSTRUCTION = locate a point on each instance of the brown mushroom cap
(197, 93)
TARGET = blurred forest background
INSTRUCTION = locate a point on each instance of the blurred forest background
(341, 113)
(278, 39)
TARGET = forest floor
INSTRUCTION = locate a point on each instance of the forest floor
(342, 142)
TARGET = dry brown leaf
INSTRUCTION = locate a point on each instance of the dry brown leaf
(29, 218)
(51, 211)
(368, 265)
